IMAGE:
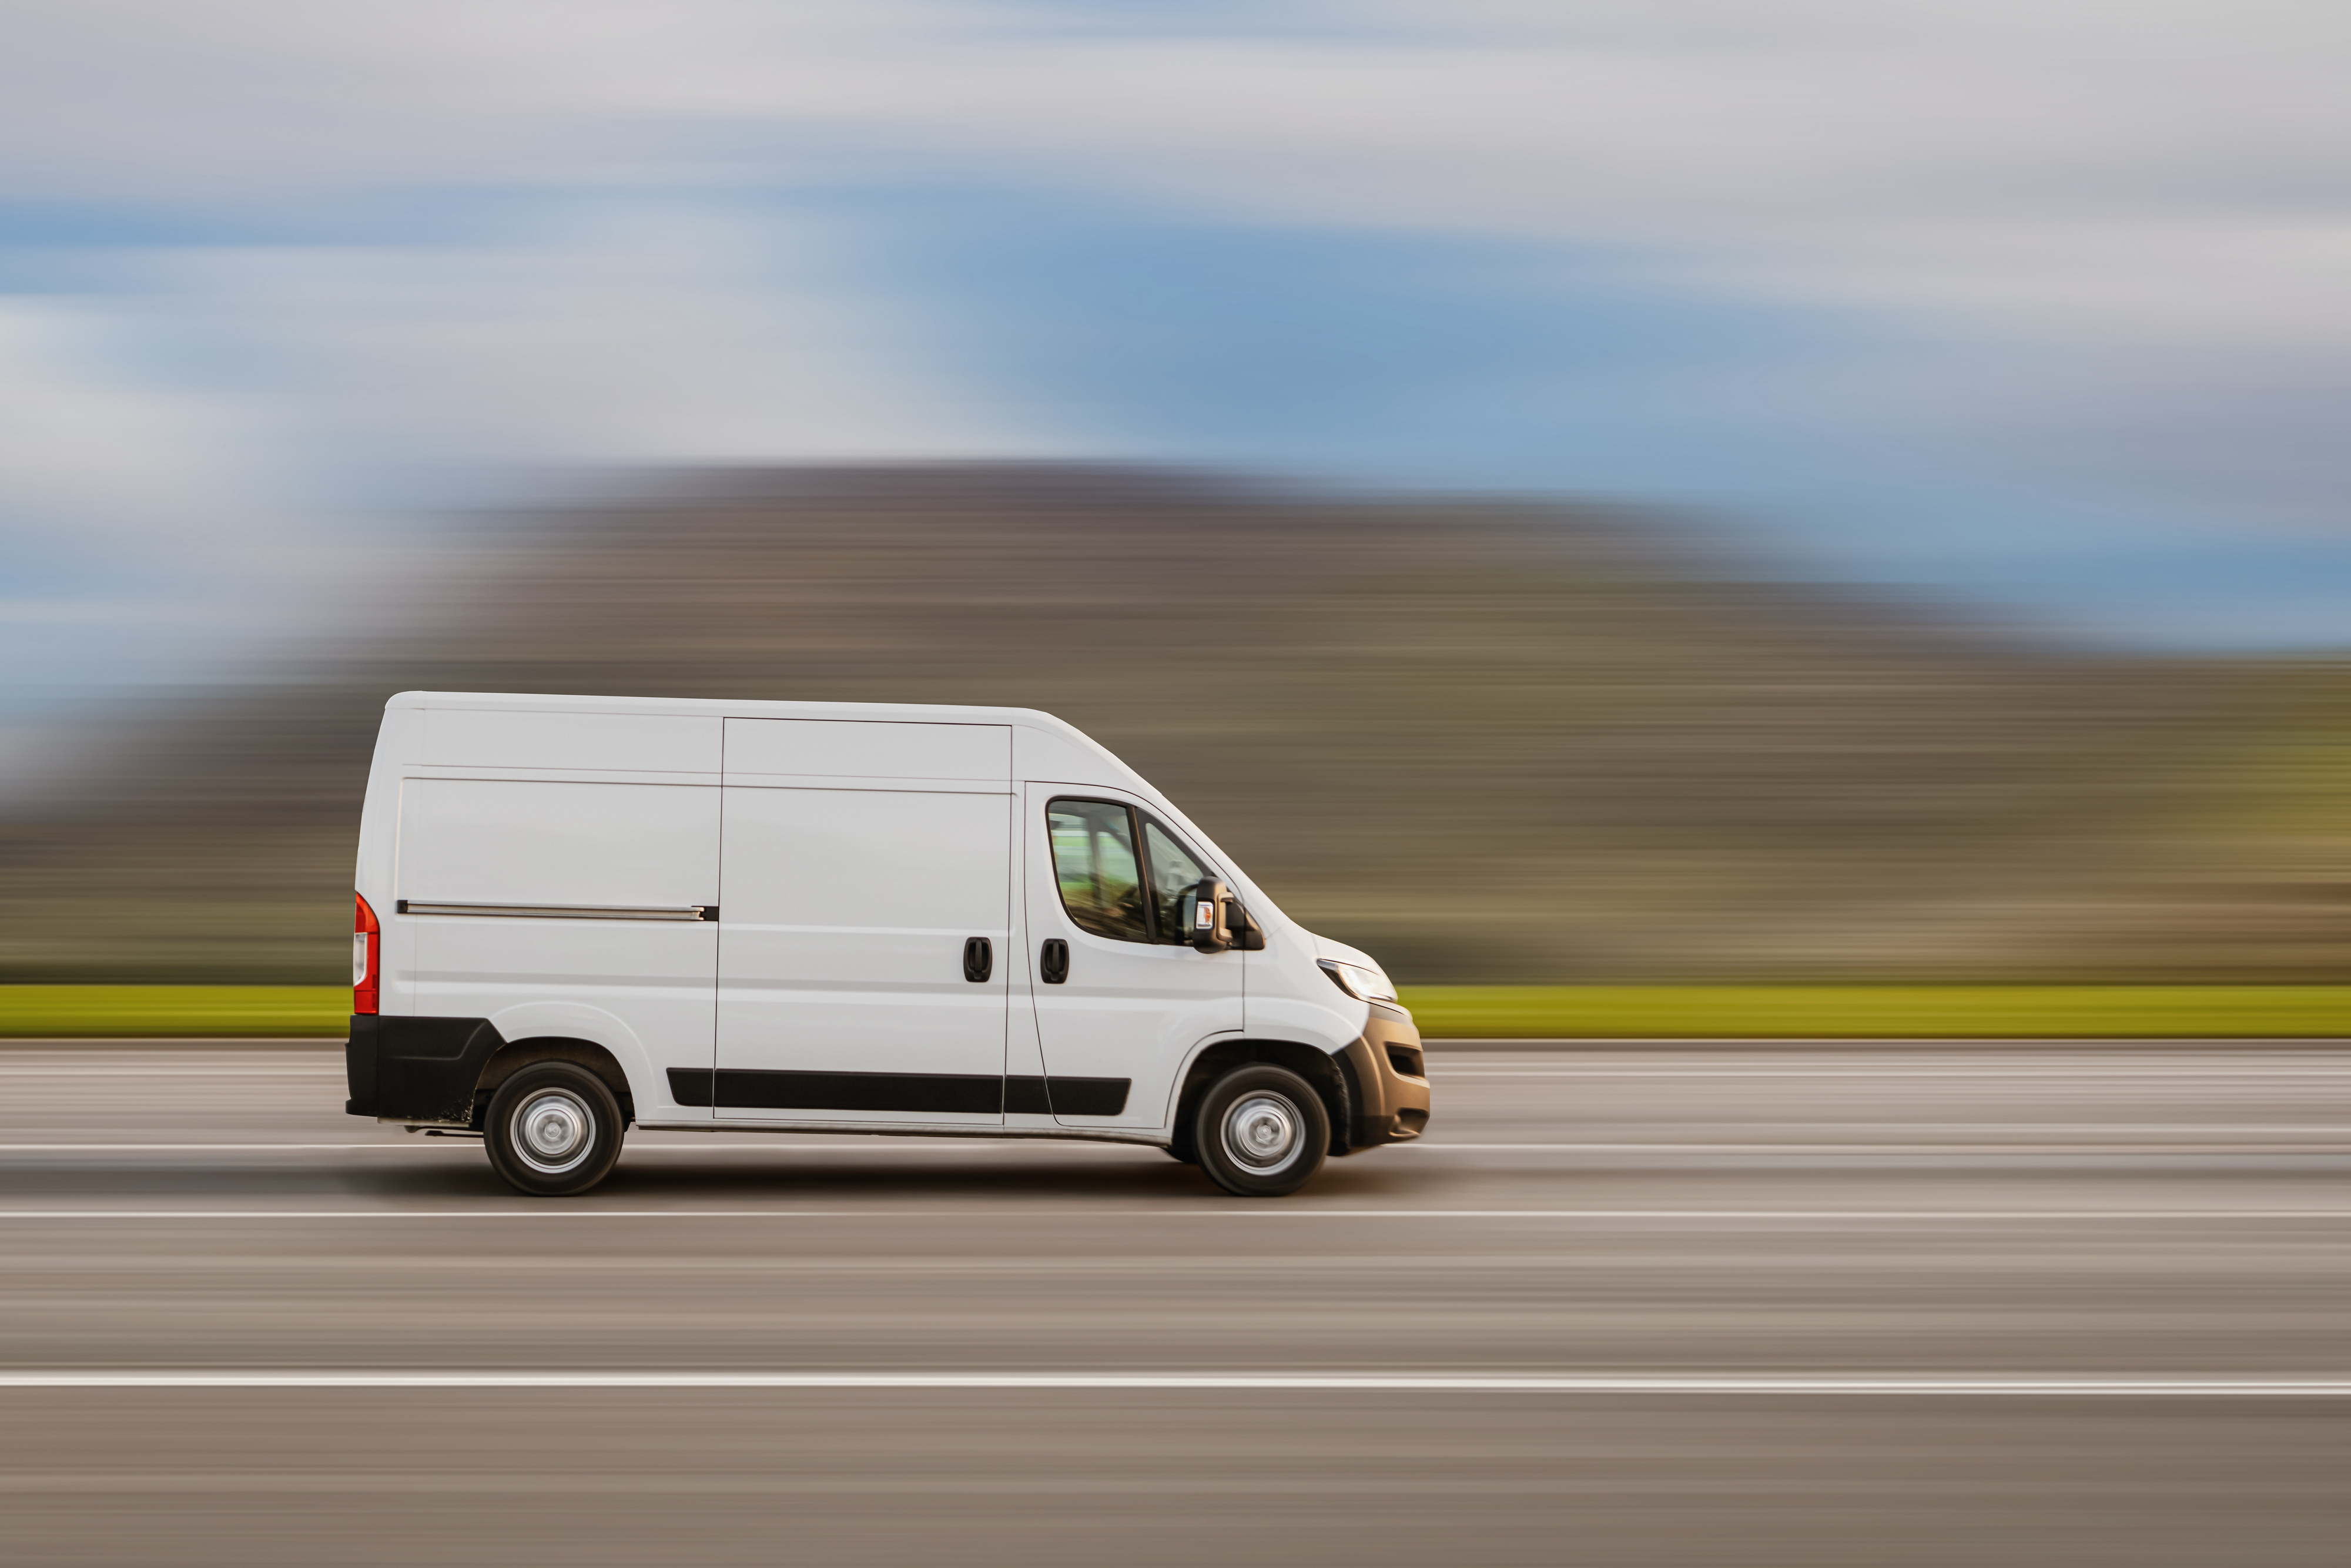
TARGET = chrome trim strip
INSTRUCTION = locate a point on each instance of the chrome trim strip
(563, 911)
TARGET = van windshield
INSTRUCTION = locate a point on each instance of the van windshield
(1095, 865)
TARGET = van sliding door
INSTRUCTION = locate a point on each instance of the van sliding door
(866, 877)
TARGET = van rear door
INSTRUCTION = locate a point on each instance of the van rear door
(866, 877)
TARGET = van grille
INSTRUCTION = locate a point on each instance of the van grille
(1407, 1059)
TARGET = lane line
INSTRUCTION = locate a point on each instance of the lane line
(2025, 1139)
(1236, 1211)
(1866, 1385)
(2300, 1144)
(2021, 1148)
(2035, 1075)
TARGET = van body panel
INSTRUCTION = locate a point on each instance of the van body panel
(864, 750)
(597, 1026)
(1305, 1022)
(1290, 996)
(497, 841)
(523, 737)
(1063, 755)
(843, 974)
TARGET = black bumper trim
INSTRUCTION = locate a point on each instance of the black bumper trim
(416, 1069)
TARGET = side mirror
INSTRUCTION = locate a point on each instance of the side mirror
(1204, 920)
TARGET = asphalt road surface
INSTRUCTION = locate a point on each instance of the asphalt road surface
(1898, 1306)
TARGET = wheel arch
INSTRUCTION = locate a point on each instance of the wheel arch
(516, 1055)
(1328, 1074)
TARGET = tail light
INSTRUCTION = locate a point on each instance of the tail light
(367, 958)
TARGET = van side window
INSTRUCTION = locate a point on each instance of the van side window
(1174, 873)
(1094, 862)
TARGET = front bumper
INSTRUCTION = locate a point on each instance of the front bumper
(1387, 1080)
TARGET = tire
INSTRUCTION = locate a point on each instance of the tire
(1261, 1132)
(553, 1130)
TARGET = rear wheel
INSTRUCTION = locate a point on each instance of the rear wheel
(554, 1129)
(1261, 1130)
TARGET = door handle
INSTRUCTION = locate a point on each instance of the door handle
(979, 959)
(1053, 961)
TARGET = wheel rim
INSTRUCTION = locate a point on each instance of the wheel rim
(553, 1131)
(1264, 1133)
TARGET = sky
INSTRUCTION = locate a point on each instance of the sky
(2043, 306)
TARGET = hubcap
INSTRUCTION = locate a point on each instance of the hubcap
(554, 1130)
(1262, 1132)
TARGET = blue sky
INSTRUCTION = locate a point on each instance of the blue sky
(2044, 307)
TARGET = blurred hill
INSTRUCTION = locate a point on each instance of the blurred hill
(1487, 742)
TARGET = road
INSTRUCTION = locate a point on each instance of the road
(1817, 1307)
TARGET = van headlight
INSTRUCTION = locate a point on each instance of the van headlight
(1365, 985)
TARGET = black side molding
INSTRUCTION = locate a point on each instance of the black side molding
(1088, 1096)
(1067, 1096)
(924, 1094)
(745, 1088)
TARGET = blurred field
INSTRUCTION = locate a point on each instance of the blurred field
(1881, 1013)
(1491, 744)
(1445, 1012)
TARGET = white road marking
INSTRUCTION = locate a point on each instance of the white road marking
(235, 1148)
(1919, 1138)
(1879, 1385)
(2121, 1143)
(1924, 1149)
(1232, 1211)
(2037, 1073)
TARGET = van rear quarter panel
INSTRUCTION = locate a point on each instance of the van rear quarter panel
(515, 806)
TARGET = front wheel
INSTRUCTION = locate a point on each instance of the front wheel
(553, 1130)
(1261, 1130)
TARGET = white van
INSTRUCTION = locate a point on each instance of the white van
(576, 913)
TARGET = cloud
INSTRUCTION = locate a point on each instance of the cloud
(139, 523)
(2077, 168)
(619, 332)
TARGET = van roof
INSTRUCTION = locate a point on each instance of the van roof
(740, 707)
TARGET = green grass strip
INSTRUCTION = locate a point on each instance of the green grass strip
(1444, 1012)
(1900, 1012)
(89, 1013)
